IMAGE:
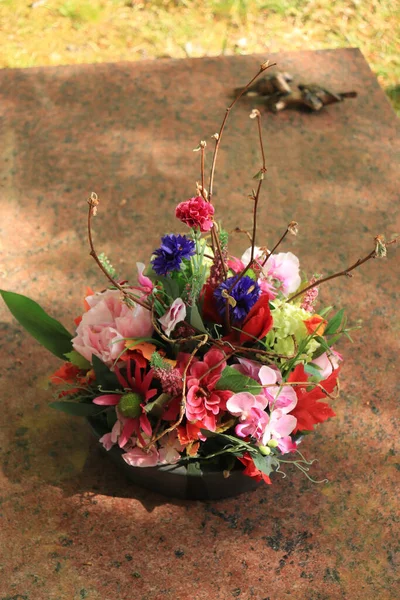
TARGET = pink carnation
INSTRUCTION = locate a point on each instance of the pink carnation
(196, 213)
(105, 325)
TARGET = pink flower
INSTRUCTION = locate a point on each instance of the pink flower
(282, 397)
(169, 452)
(235, 264)
(250, 410)
(174, 315)
(110, 439)
(196, 213)
(141, 458)
(283, 267)
(130, 406)
(279, 426)
(204, 402)
(145, 283)
(327, 365)
(106, 323)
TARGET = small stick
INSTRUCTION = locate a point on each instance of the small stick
(93, 203)
(379, 250)
(218, 135)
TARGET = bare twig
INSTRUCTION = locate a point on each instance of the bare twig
(379, 250)
(93, 203)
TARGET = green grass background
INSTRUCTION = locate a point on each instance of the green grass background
(54, 32)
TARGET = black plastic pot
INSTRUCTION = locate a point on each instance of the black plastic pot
(175, 481)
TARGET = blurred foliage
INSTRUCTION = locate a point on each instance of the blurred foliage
(52, 32)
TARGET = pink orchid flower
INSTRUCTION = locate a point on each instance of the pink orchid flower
(251, 413)
(282, 397)
(174, 315)
(279, 427)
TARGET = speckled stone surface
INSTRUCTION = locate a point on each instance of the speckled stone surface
(71, 526)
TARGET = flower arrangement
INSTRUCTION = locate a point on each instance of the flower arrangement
(210, 359)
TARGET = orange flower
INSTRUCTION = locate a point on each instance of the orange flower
(316, 325)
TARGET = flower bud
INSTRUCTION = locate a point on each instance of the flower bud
(272, 443)
(265, 451)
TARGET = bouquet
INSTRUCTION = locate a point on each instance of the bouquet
(208, 359)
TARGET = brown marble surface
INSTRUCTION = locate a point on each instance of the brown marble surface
(71, 527)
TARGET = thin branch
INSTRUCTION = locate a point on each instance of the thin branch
(346, 272)
(93, 203)
(218, 136)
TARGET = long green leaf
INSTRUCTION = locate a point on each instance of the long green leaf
(46, 330)
(78, 409)
(233, 380)
(334, 323)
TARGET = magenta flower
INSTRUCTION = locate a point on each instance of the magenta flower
(130, 405)
(196, 213)
(203, 401)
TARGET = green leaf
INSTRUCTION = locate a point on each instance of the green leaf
(193, 468)
(78, 360)
(314, 370)
(104, 377)
(234, 381)
(78, 409)
(170, 285)
(46, 330)
(266, 464)
(195, 319)
(334, 323)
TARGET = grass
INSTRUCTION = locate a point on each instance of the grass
(53, 32)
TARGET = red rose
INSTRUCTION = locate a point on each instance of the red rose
(196, 212)
(258, 322)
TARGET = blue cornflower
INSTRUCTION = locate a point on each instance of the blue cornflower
(245, 293)
(169, 255)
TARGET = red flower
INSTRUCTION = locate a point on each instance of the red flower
(209, 308)
(308, 411)
(258, 322)
(315, 324)
(251, 469)
(196, 212)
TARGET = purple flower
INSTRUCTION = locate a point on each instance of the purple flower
(245, 294)
(169, 256)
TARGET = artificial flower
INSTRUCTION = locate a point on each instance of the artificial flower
(243, 294)
(258, 321)
(169, 256)
(105, 326)
(196, 213)
(174, 315)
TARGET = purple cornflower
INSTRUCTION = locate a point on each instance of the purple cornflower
(245, 293)
(168, 257)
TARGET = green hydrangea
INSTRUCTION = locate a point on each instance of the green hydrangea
(289, 321)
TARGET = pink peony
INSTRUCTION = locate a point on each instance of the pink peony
(284, 267)
(105, 325)
(174, 315)
(196, 213)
